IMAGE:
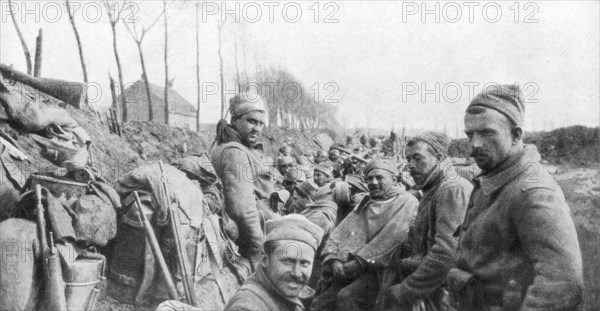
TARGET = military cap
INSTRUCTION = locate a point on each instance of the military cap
(296, 228)
(506, 99)
(383, 164)
(294, 175)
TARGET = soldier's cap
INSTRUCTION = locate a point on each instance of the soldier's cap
(325, 168)
(308, 188)
(383, 164)
(244, 103)
(506, 99)
(294, 175)
(296, 228)
(285, 160)
(439, 142)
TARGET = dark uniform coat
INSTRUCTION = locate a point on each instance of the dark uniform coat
(518, 238)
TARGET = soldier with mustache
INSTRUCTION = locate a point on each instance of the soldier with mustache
(359, 249)
(431, 247)
(518, 248)
(280, 281)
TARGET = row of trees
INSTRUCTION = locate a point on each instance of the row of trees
(289, 102)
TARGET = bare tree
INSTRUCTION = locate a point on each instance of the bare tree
(198, 67)
(79, 47)
(23, 44)
(138, 37)
(166, 65)
(113, 17)
(220, 26)
(37, 65)
(237, 68)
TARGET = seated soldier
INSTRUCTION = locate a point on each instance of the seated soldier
(284, 163)
(291, 179)
(359, 249)
(321, 156)
(283, 272)
(280, 281)
(323, 173)
(303, 194)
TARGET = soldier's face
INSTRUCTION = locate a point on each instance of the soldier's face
(321, 157)
(334, 156)
(250, 126)
(299, 201)
(489, 136)
(289, 267)
(320, 178)
(421, 161)
(380, 182)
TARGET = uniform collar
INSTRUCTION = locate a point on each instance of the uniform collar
(507, 171)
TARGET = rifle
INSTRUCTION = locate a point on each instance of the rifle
(53, 278)
(181, 255)
(162, 265)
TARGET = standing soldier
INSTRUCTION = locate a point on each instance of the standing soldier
(518, 248)
(244, 170)
(442, 209)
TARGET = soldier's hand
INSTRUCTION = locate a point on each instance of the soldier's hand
(338, 269)
(352, 269)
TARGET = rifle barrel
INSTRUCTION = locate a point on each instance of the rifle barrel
(180, 252)
(162, 264)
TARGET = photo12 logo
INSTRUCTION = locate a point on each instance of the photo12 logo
(254, 12)
(454, 12)
(454, 92)
(55, 11)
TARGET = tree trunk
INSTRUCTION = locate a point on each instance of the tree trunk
(79, 47)
(221, 73)
(37, 66)
(23, 44)
(146, 83)
(166, 65)
(237, 68)
(197, 68)
(124, 110)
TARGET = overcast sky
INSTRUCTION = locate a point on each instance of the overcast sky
(385, 63)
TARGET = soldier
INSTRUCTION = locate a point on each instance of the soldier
(431, 246)
(321, 156)
(279, 283)
(518, 248)
(284, 163)
(360, 247)
(323, 173)
(238, 158)
(303, 195)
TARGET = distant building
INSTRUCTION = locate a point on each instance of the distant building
(182, 113)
